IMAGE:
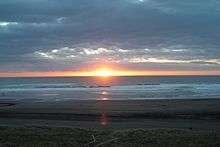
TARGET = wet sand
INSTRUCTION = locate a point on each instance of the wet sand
(185, 114)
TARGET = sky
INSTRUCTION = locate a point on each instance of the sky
(155, 36)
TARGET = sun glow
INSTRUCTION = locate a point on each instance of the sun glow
(104, 72)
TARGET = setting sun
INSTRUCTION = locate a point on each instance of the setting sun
(104, 72)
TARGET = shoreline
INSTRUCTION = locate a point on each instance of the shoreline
(199, 114)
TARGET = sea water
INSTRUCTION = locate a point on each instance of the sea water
(110, 88)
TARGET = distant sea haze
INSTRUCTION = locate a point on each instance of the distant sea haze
(110, 88)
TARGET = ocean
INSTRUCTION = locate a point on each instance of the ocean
(110, 88)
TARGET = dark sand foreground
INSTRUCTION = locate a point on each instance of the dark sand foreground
(75, 137)
(196, 114)
(156, 122)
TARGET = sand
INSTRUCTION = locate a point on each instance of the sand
(181, 114)
(76, 137)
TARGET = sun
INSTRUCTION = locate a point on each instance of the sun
(104, 72)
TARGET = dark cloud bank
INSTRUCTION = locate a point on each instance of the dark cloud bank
(42, 35)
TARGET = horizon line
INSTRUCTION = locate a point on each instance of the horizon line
(111, 73)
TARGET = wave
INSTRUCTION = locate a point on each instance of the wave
(148, 84)
(176, 87)
(82, 91)
(51, 86)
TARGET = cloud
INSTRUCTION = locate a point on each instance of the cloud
(139, 1)
(61, 19)
(174, 61)
(66, 53)
(79, 53)
(97, 51)
(123, 50)
(43, 55)
(5, 24)
(55, 54)
(128, 32)
(173, 50)
(118, 55)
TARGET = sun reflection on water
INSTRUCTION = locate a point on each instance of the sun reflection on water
(103, 119)
(104, 95)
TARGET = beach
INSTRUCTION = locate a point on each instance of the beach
(194, 114)
(113, 123)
